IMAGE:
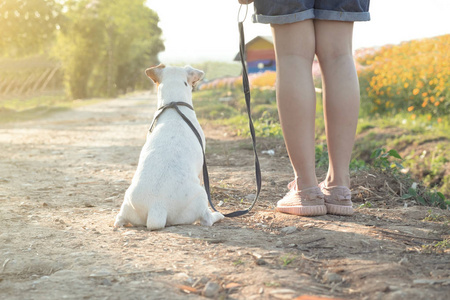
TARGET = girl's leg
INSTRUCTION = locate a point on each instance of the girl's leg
(296, 99)
(340, 97)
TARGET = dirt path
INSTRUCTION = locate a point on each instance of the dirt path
(62, 180)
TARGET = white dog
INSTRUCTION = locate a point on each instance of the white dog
(166, 188)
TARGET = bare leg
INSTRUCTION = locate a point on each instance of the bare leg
(294, 50)
(341, 95)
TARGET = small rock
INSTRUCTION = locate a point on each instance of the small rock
(289, 230)
(100, 273)
(64, 274)
(271, 152)
(282, 293)
(279, 244)
(184, 278)
(260, 262)
(200, 281)
(250, 196)
(211, 290)
(106, 282)
(397, 295)
(330, 277)
(403, 261)
(130, 232)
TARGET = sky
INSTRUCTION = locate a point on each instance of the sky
(202, 30)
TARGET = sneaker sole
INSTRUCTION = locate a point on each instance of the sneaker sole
(339, 209)
(317, 210)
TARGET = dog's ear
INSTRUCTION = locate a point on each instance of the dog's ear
(155, 73)
(193, 75)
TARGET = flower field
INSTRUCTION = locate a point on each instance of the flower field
(412, 77)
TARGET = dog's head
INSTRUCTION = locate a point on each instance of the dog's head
(174, 76)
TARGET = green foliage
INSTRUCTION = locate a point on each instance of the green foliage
(105, 46)
(386, 160)
(389, 162)
(432, 217)
(321, 153)
(429, 198)
(366, 204)
(28, 27)
(287, 259)
(438, 247)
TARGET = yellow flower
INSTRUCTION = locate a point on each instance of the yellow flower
(416, 91)
(410, 108)
(413, 117)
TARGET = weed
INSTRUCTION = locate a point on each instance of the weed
(287, 259)
(386, 160)
(439, 247)
(271, 284)
(238, 262)
(357, 164)
(367, 204)
(427, 197)
(432, 217)
(321, 155)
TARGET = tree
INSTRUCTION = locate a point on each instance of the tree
(27, 26)
(106, 45)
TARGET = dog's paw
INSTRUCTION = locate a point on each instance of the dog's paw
(210, 218)
(217, 216)
(120, 222)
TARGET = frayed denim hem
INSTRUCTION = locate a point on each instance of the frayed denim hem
(317, 14)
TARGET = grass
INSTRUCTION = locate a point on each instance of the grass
(287, 259)
(14, 110)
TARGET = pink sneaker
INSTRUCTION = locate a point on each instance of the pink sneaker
(306, 202)
(338, 199)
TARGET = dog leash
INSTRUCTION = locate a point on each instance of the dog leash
(246, 88)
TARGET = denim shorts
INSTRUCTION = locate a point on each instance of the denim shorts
(291, 11)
